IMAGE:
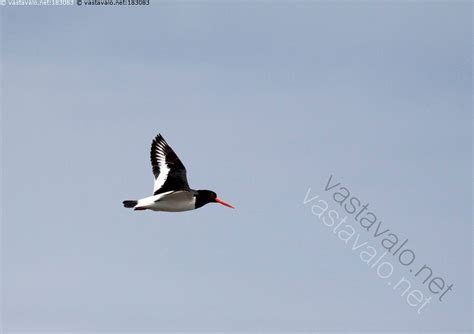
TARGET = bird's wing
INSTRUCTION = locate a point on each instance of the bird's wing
(169, 171)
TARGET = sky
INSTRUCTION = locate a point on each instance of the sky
(264, 102)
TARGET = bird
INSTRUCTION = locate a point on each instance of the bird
(171, 192)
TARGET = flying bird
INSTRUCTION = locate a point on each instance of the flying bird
(171, 191)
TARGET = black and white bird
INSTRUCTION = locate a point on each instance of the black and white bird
(171, 191)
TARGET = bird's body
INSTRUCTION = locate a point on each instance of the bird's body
(172, 201)
(171, 191)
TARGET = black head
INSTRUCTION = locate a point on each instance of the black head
(206, 196)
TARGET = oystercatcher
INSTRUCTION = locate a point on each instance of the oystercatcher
(171, 191)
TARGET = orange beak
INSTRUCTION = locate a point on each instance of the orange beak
(218, 200)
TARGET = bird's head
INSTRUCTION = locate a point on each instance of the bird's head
(207, 196)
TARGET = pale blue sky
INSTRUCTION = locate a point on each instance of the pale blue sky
(261, 101)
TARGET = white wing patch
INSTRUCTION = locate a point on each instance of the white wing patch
(164, 169)
(148, 202)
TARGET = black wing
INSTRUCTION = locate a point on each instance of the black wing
(169, 171)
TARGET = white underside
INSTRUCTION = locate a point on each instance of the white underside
(169, 201)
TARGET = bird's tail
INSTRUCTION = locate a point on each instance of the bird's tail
(130, 204)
